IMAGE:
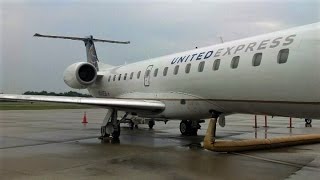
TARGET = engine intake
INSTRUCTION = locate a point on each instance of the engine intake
(80, 75)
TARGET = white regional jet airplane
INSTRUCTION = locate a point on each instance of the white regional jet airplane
(273, 74)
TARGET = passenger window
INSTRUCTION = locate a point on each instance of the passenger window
(176, 70)
(125, 76)
(256, 60)
(235, 62)
(188, 67)
(201, 66)
(155, 72)
(114, 77)
(109, 78)
(131, 76)
(119, 78)
(165, 71)
(216, 64)
(283, 56)
(138, 75)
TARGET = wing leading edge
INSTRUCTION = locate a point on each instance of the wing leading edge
(120, 104)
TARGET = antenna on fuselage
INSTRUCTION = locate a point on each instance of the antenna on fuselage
(221, 40)
(92, 57)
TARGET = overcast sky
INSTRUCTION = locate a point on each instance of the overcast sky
(154, 29)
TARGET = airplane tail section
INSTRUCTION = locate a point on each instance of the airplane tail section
(92, 57)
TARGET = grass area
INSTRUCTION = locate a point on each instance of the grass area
(39, 106)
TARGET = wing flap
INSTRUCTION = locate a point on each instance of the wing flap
(120, 104)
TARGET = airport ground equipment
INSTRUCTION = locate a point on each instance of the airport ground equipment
(210, 143)
(84, 119)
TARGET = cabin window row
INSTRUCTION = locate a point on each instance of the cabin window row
(125, 77)
(256, 61)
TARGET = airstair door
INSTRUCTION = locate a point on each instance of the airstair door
(147, 75)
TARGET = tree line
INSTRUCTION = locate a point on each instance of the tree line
(45, 93)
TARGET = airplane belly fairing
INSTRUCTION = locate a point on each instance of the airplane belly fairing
(273, 108)
(179, 105)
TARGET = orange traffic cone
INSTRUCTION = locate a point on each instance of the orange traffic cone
(84, 120)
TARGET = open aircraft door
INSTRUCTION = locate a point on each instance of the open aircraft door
(147, 75)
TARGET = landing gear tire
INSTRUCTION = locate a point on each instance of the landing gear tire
(151, 124)
(187, 129)
(104, 133)
(308, 121)
(184, 127)
(110, 125)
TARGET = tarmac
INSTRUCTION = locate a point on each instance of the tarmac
(54, 144)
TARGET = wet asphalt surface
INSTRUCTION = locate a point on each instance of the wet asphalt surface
(54, 144)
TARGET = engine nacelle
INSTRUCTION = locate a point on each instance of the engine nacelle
(80, 75)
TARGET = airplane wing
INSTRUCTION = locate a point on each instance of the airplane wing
(130, 105)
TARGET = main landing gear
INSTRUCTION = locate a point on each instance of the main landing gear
(190, 128)
(111, 125)
(211, 132)
(151, 123)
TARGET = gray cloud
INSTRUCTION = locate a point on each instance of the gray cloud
(155, 29)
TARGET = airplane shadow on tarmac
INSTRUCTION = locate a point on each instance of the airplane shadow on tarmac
(110, 141)
(155, 138)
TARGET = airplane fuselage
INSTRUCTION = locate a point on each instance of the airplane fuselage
(272, 74)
